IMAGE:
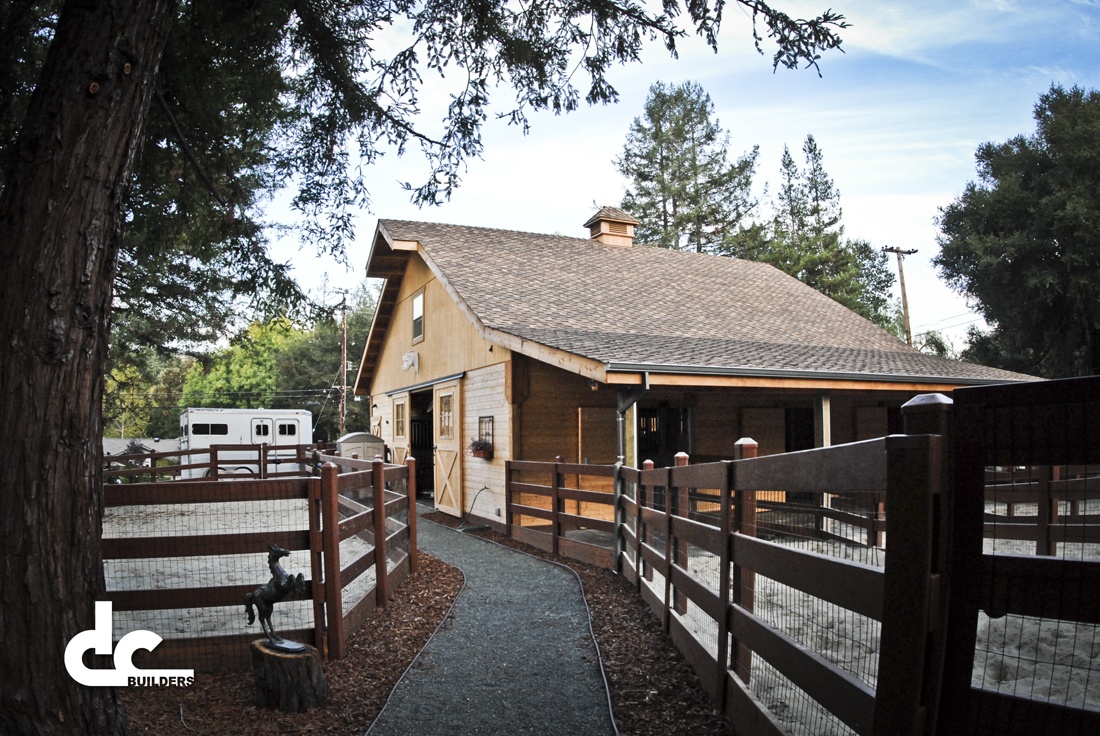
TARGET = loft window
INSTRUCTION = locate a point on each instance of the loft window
(418, 316)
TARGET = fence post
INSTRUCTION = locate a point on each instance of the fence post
(381, 568)
(744, 581)
(617, 518)
(678, 549)
(316, 553)
(263, 462)
(1047, 512)
(330, 530)
(642, 532)
(213, 472)
(508, 498)
(905, 694)
(410, 484)
(934, 414)
(724, 523)
(555, 503)
(669, 554)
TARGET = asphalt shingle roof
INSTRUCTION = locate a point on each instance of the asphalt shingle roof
(642, 305)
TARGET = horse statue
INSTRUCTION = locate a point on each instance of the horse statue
(279, 587)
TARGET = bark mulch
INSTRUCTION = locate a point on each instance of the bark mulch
(653, 690)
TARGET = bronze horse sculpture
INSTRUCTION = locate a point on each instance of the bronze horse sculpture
(279, 587)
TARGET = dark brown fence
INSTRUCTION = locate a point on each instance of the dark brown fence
(691, 543)
(179, 557)
(968, 556)
(1023, 626)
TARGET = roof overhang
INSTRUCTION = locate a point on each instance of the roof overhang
(388, 259)
(655, 374)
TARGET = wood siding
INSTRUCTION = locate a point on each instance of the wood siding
(485, 397)
(451, 342)
(548, 411)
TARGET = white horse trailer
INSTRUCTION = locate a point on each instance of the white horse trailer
(277, 428)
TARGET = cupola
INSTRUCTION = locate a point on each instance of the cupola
(612, 226)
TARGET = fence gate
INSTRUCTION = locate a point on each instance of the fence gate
(1023, 629)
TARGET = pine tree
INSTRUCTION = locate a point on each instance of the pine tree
(683, 188)
(807, 240)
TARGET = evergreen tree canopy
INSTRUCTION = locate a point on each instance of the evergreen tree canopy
(1023, 242)
(807, 240)
(683, 188)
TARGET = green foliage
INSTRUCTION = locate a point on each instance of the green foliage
(1023, 242)
(141, 394)
(806, 241)
(277, 365)
(254, 97)
(685, 192)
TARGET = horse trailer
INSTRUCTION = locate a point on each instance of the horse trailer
(278, 428)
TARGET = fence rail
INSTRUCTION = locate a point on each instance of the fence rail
(218, 461)
(782, 578)
(688, 541)
(184, 548)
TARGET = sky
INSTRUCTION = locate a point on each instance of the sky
(898, 117)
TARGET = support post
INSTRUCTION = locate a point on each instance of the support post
(330, 530)
(381, 566)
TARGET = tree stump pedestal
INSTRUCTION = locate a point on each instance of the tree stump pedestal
(289, 681)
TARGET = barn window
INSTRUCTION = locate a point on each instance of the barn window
(399, 419)
(446, 416)
(418, 316)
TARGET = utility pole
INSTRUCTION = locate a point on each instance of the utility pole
(901, 279)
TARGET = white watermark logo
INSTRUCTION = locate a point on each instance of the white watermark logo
(124, 672)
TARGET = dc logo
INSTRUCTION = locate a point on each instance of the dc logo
(124, 673)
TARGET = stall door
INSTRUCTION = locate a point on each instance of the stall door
(447, 405)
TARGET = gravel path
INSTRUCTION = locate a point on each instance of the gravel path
(515, 656)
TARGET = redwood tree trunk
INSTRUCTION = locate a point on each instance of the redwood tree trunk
(60, 218)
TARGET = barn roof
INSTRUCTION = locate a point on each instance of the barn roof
(649, 310)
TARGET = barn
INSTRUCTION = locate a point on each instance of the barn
(489, 345)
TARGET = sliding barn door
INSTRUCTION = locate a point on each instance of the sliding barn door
(447, 408)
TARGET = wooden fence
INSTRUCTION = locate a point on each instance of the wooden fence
(669, 516)
(987, 515)
(218, 461)
(1049, 433)
(311, 514)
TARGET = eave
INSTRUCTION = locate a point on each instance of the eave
(655, 374)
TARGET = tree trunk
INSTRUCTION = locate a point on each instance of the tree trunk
(60, 219)
(289, 681)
